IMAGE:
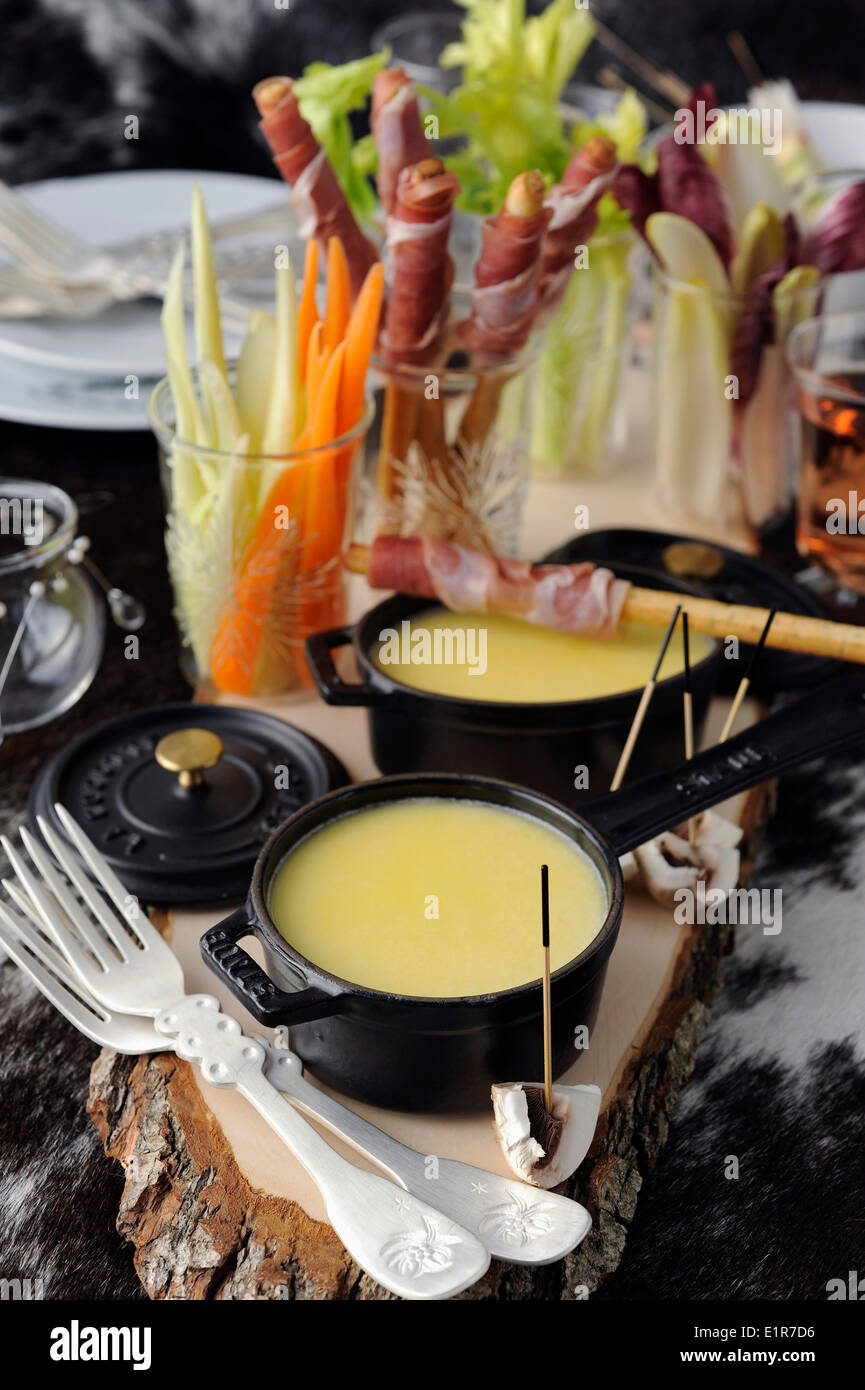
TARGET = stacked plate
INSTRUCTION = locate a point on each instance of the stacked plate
(98, 373)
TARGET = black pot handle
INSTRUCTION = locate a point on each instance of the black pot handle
(826, 722)
(331, 686)
(248, 982)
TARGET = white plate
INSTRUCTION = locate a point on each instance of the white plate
(837, 131)
(33, 395)
(99, 354)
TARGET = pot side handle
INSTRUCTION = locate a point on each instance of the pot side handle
(826, 723)
(331, 686)
(248, 982)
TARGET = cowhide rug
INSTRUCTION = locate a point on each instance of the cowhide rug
(779, 1084)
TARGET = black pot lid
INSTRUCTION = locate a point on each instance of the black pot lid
(180, 798)
(718, 573)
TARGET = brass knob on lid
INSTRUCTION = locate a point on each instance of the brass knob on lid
(189, 752)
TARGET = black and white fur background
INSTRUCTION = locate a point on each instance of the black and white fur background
(780, 1079)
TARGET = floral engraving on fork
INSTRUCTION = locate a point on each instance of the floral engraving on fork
(517, 1222)
(417, 1252)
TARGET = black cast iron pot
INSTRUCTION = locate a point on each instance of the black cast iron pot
(416, 1053)
(535, 745)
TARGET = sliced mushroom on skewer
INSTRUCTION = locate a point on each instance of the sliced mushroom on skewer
(542, 1148)
(669, 863)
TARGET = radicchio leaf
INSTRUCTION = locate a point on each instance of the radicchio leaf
(836, 242)
(706, 94)
(637, 193)
(687, 186)
(756, 327)
(754, 331)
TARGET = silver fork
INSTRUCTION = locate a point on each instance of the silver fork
(56, 254)
(69, 279)
(406, 1244)
(37, 242)
(514, 1221)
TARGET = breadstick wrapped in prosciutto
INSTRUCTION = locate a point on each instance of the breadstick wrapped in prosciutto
(420, 274)
(504, 301)
(396, 124)
(420, 271)
(582, 598)
(573, 204)
(316, 196)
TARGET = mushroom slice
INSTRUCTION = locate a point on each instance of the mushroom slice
(544, 1149)
(668, 864)
(712, 829)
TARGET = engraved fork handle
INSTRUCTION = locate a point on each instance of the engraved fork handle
(404, 1243)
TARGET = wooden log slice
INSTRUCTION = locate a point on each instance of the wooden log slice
(200, 1229)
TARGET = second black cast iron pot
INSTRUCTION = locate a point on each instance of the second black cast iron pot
(418, 1053)
(538, 745)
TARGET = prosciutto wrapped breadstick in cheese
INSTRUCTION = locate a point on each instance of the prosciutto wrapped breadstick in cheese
(581, 598)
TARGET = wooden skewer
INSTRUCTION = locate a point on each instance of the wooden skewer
(615, 82)
(548, 1031)
(688, 711)
(642, 707)
(745, 58)
(791, 632)
(660, 79)
(745, 682)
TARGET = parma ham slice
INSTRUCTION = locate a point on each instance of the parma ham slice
(396, 125)
(581, 598)
(573, 205)
(316, 196)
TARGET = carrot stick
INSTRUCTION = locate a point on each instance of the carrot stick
(240, 634)
(307, 313)
(324, 420)
(360, 339)
(336, 307)
(322, 511)
(315, 361)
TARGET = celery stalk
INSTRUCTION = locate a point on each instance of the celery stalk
(255, 374)
(208, 329)
(283, 411)
(605, 376)
(203, 556)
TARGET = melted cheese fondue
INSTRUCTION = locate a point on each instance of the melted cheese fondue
(487, 656)
(437, 897)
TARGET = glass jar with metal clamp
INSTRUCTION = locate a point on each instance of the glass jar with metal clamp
(52, 623)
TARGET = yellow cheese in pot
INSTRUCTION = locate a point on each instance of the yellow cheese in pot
(488, 656)
(436, 896)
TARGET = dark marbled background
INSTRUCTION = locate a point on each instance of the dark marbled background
(780, 1081)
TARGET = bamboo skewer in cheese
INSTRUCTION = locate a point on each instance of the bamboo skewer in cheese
(688, 715)
(790, 632)
(745, 682)
(642, 707)
(548, 1009)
